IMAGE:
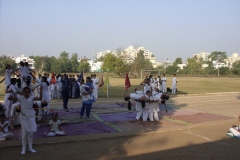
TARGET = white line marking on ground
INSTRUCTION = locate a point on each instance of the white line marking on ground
(188, 132)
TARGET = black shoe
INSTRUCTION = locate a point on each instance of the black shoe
(66, 110)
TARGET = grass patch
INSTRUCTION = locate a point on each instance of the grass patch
(185, 85)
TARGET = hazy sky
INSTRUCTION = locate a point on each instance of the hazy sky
(168, 28)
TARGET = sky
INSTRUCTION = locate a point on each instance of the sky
(167, 28)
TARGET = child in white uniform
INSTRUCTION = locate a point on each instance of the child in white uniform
(174, 84)
(27, 117)
(164, 84)
(55, 128)
(234, 130)
(4, 128)
(146, 108)
(154, 105)
(138, 104)
(10, 91)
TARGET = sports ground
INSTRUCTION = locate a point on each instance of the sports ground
(194, 127)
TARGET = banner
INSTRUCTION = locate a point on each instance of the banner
(106, 84)
(100, 80)
(127, 82)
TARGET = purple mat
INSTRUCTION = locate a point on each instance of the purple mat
(70, 129)
(118, 117)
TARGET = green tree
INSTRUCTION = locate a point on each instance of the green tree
(74, 62)
(171, 69)
(140, 63)
(84, 66)
(193, 66)
(109, 62)
(219, 57)
(177, 61)
(4, 61)
(64, 62)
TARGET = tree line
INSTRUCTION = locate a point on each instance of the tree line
(118, 64)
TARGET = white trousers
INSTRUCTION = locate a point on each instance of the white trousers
(153, 114)
(173, 88)
(164, 87)
(26, 136)
(60, 133)
(139, 114)
(235, 132)
(59, 89)
(5, 135)
(145, 114)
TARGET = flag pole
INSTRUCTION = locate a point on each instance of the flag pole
(107, 91)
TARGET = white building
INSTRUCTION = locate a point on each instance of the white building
(95, 67)
(25, 59)
(231, 59)
(181, 66)
(217, 65)
(203, 55)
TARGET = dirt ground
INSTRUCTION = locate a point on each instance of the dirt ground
(202, 140)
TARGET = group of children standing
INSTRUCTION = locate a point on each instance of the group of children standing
(151, 83)
(147, 101)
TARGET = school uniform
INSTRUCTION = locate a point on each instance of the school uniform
(23, 75)
(164, 84)
(28, 123)
(95, 80)
(86, 103)
(174, 84)
(7, 134)
(154, 106)
(138, 106)
(8, 103)
(59, 87)
(146, 109)
(7, 80)
(147, 87)
(54, 129)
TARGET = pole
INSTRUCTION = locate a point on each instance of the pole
(141, 74)
(107, 91)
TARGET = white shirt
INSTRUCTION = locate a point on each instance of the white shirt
(54, 125)
(164, 79)
(174, 80)
(147, 88)
(94, 83)
(7, 77)
(27, 110)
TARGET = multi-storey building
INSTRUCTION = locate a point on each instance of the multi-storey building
(25, 59)
(203, 55)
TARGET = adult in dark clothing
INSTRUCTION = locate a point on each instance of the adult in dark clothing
(65, 91)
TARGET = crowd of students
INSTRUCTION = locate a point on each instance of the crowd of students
(27, 100)
(147, 100)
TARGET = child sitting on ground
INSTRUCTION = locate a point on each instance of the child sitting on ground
(234, 131)
(4, 128)
(55, 128)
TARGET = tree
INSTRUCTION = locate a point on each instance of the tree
(140, 63)
(64, 62)
(177, 61)
(4, 61)
(171, 69)
(84, 66)
(193, 66)
(218, 56)
(74, 62)
(109, 62)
